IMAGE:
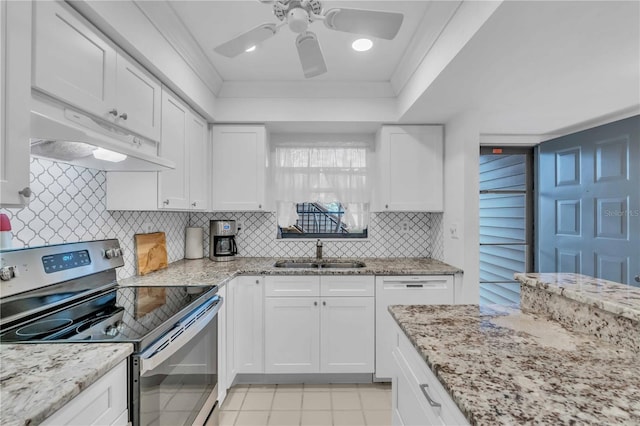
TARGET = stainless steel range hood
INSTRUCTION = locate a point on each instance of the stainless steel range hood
(62, 134)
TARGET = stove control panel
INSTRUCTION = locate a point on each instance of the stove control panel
(43, 266)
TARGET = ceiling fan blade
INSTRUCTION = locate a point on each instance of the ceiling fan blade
(310, 54)
(366, 22)
(253, 37)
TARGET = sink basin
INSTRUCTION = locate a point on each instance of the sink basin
(321, 264)
(337, 264)
(295, 264)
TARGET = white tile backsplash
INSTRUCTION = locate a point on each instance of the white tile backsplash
(69, 205)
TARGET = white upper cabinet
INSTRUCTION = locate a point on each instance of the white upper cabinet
(198, 150)
(138, 100)
(173, 185)
(15, 92)
(410, 169)
(239, 168)
(75, 63)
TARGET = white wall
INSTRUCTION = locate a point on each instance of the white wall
(461, 199)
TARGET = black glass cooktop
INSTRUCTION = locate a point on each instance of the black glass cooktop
(119, 314)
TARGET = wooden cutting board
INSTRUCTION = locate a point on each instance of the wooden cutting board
(151, 252)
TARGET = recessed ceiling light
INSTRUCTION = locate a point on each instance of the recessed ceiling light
(362, 45)
(251, 49)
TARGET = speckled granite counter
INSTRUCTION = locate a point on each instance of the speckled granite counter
(507, 367)
(37, 380)
(604, 309)
(207, 272)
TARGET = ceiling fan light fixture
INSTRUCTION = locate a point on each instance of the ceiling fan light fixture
(362, 45)
(251, 48)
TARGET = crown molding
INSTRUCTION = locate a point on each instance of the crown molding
(306, 89)
(162, 15)
(436, 17)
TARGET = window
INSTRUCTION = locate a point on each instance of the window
(322, 190)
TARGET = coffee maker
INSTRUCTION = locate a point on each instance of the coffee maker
(222, 240)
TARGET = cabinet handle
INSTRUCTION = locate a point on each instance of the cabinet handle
(194, 204)
(123, 115)
(324, 303)
(315, 303)
(257, 281)
(26, 192)
(386, 206)
(165, 202)
(114, 112)
(259, 206)
(432, 403)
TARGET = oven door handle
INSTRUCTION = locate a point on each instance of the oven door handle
(179, 336)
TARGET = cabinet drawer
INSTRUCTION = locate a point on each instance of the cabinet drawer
(422, 289)
(347, 285)
(102, 403)
(292, 286)
(419, 374)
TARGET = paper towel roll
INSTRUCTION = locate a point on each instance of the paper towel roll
(194, 248)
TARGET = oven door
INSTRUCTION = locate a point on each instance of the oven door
(177, 376)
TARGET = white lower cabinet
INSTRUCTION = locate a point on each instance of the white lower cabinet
(317, 333)
(418, 398)
(245, 327)
(292, 335)
(102, 403)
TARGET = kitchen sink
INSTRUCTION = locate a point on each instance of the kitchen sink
(295, 264)
(338, 264)
(320, 264)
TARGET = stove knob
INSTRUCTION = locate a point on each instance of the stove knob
(113, 252)
(114, 329)
(7, 273)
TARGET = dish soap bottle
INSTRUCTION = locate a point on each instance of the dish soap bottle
(5, 232)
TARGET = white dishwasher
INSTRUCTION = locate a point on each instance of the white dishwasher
(404, 290)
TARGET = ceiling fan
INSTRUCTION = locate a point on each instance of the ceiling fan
(299, 15)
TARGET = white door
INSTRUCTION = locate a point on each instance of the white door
(139, 99)
(347, 335)
(292, 327)
(15, 93)
(232, 369)
(71, 62)
(248, 324)
(173, 184)
(197, 136)
(238, 182)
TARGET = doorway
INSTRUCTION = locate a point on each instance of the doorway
(506, 222)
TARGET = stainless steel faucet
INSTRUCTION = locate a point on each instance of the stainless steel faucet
(318, 249)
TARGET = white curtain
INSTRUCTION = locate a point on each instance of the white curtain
(323, 174)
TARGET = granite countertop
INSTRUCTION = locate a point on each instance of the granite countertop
(36, 380)
(502, 366)
(208, 272)
(619, 299)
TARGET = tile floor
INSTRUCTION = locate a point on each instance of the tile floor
(302, 405)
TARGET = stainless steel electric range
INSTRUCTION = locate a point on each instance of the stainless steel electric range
(69, 293)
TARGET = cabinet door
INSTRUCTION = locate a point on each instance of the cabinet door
(15, 94)
(248, 324)
(197, 137)
(292, 327)
(239, 167)
(411, 169)
(174, 184)
(71, 62)
(138, 99)
(347, 335)
(102, 403)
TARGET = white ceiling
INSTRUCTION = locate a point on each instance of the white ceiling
(532, 67)
(214, 22)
